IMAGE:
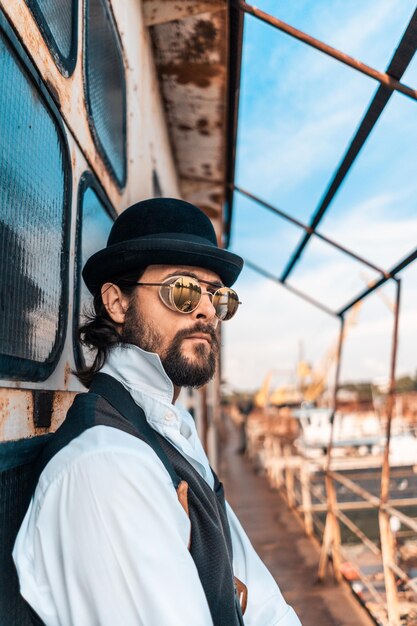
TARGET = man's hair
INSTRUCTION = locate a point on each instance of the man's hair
(99, 333)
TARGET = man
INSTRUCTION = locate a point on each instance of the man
(128, 524)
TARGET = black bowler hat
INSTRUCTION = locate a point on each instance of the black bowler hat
(161, 231)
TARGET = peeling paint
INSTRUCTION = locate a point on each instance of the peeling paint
(191, 60)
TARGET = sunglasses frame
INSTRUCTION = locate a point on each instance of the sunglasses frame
(170, 284)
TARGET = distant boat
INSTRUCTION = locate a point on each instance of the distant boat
(355, 434)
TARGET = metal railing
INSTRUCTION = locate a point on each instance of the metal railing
(310, 488)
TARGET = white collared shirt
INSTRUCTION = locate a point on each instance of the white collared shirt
(105, 541)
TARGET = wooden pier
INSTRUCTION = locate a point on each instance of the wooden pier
(279, 538)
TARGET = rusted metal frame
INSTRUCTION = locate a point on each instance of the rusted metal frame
(375, 285)
(354, 488)
(331, 538)
(386, 534)
(353, 505)
(306, 499)
(365, 579)
(351, 525)
(335, 391)
(358, 532)
(404, 519)
(294, 290)
(384, 78)
(385, 476)
(412, 583)
(375, 501)
(376, 474)
(397, 66)
(311, 231)
(377, 596)
(236, 22)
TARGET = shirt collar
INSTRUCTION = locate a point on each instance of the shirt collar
(139, 370)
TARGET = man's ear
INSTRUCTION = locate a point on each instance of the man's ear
(115, 302)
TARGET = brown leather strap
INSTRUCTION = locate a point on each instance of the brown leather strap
(182, 493)
(242, 592)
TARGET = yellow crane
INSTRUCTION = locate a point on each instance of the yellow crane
(319, 376)
(261, 397)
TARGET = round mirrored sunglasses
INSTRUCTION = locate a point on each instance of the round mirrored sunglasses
(183, 294)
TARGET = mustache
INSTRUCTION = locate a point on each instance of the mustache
(200, 327)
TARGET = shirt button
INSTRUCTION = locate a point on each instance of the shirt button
(169, 416)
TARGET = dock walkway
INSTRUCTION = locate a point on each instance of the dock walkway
(279, 538)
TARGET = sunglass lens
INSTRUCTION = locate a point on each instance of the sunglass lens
(226, 303)
(186, 294)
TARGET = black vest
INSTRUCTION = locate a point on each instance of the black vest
(109, 404)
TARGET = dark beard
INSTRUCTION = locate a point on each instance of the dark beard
(185, 373)
(180, 370)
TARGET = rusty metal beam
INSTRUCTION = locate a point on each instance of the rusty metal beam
(293, 290)
(392, 273)
(385, 474)
(387, 539)
(385, 78)
(236, 24)
(308, 229)
(342, 335)
(399, 63)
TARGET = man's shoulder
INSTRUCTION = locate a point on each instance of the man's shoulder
(99, 447)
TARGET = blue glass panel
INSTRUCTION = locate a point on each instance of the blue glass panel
(95, 222)
(57, 19)
(32, 226)
(105, 86)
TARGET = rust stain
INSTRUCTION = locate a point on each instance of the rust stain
(199, 74)
(203, 126)
(200, 43)
(216, 197)
(209, 210)
(67, 374)
(62, 402)
(73, 158)
(4, 406)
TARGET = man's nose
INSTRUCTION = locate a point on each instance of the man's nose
(205, 309)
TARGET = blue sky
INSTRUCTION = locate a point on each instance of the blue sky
(298, 111)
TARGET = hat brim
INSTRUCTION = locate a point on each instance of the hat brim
(127, 256)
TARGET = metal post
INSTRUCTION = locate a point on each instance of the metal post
(306, 497)
(331, 538)
(387, 539)
(289, 476)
